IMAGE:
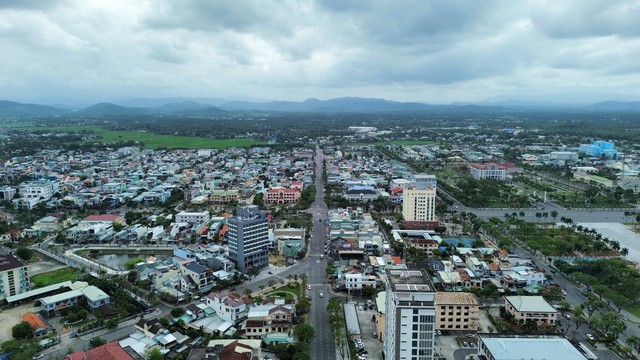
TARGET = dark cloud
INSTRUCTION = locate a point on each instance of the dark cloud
(584, 19)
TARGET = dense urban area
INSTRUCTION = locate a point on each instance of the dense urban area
(458, 232)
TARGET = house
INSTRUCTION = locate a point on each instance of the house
(531, 308)
(228, 306)
(109, 351)
(268, 318)
(201, 276)
(149, 327)
(354, 279)
(38, 325)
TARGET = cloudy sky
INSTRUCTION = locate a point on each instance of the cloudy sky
(422, 50)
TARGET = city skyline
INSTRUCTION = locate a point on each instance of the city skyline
(85, 52)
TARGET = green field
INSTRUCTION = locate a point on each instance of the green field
(400, 142)
(154, 141)
(54, 277)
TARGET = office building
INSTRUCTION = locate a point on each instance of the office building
(411, 316)
(248, 237)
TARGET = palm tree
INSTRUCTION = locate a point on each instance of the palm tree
(624, 251)
(538, 215)
(554, 214)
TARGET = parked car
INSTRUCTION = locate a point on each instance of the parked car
(590, 337)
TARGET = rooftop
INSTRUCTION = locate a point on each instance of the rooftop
(530, 304)
(534, 348)
(9, 262)
(409, 281)
(457, 298)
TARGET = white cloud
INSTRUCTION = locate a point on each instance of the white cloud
(417, 50)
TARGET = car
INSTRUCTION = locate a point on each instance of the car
(321, 256)
(270, 272)
(471, 335)
(567, 316)
(375, 335)
(563, 292)
(308, 286)
(465, 344)
(590, 337)
(362, 351)
(321, 295)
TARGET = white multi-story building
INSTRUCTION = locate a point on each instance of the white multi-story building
(41, 190)
(488, 171)
(563, 155)
(354, 279)
(531, 308)
(14, 278)
(411, 316)
(192, 217)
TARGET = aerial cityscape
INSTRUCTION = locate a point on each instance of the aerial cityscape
(318, 180)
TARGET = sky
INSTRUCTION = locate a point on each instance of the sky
(427, 51)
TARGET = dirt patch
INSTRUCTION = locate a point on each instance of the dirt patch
(44, 265)
(276, 260)
(11, 317)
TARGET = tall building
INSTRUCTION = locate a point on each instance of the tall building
(248, 239)
(419, 208)
(411, 316)
(14, 278)
(424, 181)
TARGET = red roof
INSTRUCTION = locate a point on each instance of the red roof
(108, 351)
(34, 320)
(103, 217)
(397, 260)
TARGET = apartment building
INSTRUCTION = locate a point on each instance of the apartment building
(192, 217)
(411, 316)
(14, 278)
(531, 308)
(457, 311)
(248, 238)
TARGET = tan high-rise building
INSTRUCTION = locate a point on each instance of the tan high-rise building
(419, 208)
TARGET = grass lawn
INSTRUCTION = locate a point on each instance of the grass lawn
(154, 140)
(54, 277)
(287, 291)
(401, 142)
(634, 309)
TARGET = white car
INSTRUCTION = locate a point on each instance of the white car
(308, 286)
(321, 295)
(590, 337)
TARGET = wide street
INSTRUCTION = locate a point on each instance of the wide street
(313, 266)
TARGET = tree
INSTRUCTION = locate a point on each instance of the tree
(177, 311)
(304, 333)
(96, 341)
(24, 253)
(303, 306)
(164, 321)
(609, 325)
(634, 342)
(154, 354)
(368, 290)
(132, 276)
(578, 316)
(22, 331)
(117, 226)
(301, 356)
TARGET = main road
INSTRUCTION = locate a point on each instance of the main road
(314, 267)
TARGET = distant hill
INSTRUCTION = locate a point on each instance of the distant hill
(617, 106)
(344, 104)
(180, 107)
(12, 108)
(108, 109)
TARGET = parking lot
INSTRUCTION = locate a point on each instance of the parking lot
(372, 344)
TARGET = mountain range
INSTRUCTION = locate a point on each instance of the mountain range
(211, 107)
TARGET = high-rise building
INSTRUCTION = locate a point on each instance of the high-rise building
(419, 208)
(411, 316)
(14, 278)
(248, 239)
